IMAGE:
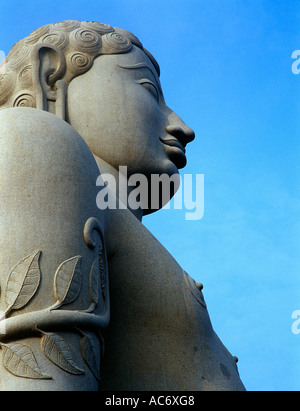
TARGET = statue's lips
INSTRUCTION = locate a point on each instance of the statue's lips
(173, 143)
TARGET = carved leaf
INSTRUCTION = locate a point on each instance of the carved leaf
(19, 360)
(57, 350)
(90, 349)
(67, 281)
(94, 282)
(23, 282)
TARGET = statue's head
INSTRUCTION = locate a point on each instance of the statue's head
(103, 82)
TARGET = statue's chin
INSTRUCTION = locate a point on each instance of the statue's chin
(178, 158)
(160, 193)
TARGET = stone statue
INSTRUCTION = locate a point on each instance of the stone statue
(78, 99)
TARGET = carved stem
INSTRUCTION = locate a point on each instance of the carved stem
(30, 324)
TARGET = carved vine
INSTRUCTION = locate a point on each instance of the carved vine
(22, 285)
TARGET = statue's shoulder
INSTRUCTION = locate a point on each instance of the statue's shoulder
(30, 135)
(21, 123)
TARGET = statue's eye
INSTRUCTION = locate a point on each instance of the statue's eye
(148, 85)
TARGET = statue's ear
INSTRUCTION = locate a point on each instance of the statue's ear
(49, 67)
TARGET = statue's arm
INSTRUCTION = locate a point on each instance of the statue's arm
(54, 301)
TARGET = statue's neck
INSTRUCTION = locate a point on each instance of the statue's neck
(106, 168)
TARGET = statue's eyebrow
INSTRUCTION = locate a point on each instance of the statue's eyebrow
(142, 65)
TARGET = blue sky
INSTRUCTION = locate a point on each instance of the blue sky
(226, 70)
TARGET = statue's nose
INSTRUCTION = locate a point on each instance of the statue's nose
(182, 132)
(177, 128)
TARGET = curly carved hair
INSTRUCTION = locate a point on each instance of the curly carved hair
(80, 43)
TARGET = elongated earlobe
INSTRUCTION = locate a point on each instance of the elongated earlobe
(48, 70)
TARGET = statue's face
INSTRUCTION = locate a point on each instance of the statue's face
(119, 109)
